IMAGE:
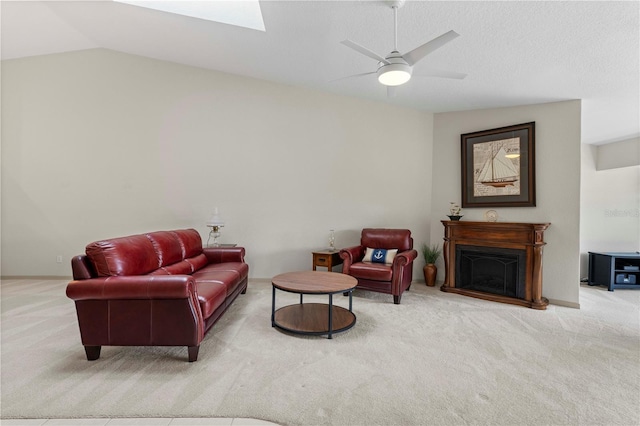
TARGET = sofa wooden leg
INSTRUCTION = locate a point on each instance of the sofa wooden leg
(193, 353)
(93, 352)
(396, 299)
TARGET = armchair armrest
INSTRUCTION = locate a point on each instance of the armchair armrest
(402, 272)
(224, 254)
(354, 254)
(351, 255)
(404, 258)
(141, 287)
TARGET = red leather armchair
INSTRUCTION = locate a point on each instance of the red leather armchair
(392, 277)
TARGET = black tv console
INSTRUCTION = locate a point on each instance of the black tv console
(615, 270)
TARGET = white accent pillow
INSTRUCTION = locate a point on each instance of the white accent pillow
(385, 256)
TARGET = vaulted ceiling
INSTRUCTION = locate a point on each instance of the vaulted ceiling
(514, 52)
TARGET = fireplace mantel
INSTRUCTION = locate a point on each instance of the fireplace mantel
(513, 235)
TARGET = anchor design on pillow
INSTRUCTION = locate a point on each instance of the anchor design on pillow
(378, 255)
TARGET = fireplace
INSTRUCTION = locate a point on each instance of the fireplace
(491, 270)
(496, 261)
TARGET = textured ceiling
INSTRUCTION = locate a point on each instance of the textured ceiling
(514, 52)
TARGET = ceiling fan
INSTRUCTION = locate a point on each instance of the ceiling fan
(396, 69)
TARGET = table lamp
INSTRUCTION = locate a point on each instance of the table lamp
(215, 222)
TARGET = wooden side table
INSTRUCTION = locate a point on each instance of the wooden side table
(326, 258)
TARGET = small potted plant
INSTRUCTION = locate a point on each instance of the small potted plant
(430, 255)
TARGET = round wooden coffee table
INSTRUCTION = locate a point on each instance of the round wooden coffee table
(313, 318)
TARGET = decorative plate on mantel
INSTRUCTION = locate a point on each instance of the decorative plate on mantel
(491, 216)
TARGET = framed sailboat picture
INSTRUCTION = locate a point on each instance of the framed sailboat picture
(498, 167)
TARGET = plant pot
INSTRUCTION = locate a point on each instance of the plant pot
(430, 273)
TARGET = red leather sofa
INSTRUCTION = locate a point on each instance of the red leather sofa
(392, 277)
(156, 289)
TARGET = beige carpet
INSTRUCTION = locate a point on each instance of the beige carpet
(437, 359)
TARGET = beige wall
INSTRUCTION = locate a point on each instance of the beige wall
(557, 150)
(99, 144)
(610, 202)
(619, 154)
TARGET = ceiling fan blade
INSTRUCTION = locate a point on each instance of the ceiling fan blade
(391, 91)
(421, 51)
(432, 72)
(373, 55)
(352, 76)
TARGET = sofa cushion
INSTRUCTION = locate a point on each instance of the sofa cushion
(180, 268)
(211, 296)
(371, 271)
(133, 255)
(167, 245)
(190, 241)
(240, 267)
(197, 262)
(237, 273)
(230, 279)
(185, 267)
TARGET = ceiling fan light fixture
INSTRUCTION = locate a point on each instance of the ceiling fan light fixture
(394, 74)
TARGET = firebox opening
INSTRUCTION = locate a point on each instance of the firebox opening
(491, 270)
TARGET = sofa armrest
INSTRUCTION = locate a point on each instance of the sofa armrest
(224, 254)
(141, 287)
(138, 310)
(82, 268)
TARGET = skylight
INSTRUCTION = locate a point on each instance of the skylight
(242, 13)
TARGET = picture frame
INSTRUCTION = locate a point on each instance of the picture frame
(498, 167)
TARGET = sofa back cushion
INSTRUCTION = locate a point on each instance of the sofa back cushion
(387, 239)
(190, 241)
(161, 252)
(167, 246)
(198, 262)
(133, 255)
(180, 268)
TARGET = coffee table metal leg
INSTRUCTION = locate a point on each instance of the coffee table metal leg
(350, 300)
(330, 316)
(273, 307)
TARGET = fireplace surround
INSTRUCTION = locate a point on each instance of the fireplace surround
(498, 261)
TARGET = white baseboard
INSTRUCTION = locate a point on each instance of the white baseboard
(564, 303)
(36, 277)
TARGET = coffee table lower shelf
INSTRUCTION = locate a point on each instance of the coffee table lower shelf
(313, 319)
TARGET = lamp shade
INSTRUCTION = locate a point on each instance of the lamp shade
(215, 219)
